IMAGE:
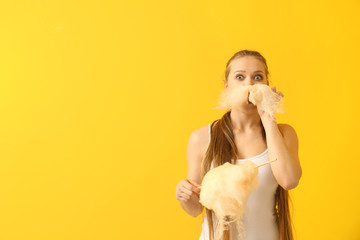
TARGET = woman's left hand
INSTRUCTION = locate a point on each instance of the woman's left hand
(266, 118)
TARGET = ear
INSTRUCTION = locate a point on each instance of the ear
(225, 85)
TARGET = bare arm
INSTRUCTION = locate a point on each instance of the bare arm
(282, 143)
(187, 191)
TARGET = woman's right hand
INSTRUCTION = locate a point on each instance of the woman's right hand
(186, 189)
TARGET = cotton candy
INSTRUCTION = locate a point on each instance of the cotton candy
(234, 97)
(225, 190)
(261, 95)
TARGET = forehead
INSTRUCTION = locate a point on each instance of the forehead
(248, 64)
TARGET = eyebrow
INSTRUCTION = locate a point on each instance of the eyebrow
(245, 71)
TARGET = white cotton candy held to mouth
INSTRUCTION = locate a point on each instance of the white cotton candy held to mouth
(261, 95)
(225, 190)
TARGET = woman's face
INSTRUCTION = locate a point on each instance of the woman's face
(246, 70)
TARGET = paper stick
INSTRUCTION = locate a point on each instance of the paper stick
(266, 163)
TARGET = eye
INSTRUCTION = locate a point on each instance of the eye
(239, 76)
(258, 76)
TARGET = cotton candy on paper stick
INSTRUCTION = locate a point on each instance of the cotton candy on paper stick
(261, 95)
(225, 190)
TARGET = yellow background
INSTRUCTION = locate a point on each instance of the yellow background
(98, 100)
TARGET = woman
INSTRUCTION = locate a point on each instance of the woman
(246, 133)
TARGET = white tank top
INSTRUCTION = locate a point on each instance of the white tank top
(260, 222)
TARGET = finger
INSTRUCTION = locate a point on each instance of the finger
(273, 88)
(194, 183)
(189, 186)
(181, 198)
(184, 195)
(280, 93)
(186, 191)
(195, 186)
(190, 194)
(181, 195)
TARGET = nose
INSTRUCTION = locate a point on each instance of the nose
(249, 81)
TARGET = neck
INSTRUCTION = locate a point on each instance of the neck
(243, 121)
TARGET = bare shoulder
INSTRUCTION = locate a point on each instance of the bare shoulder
(286, 128)
(289, 134)
(199, 138)
(198, 142)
